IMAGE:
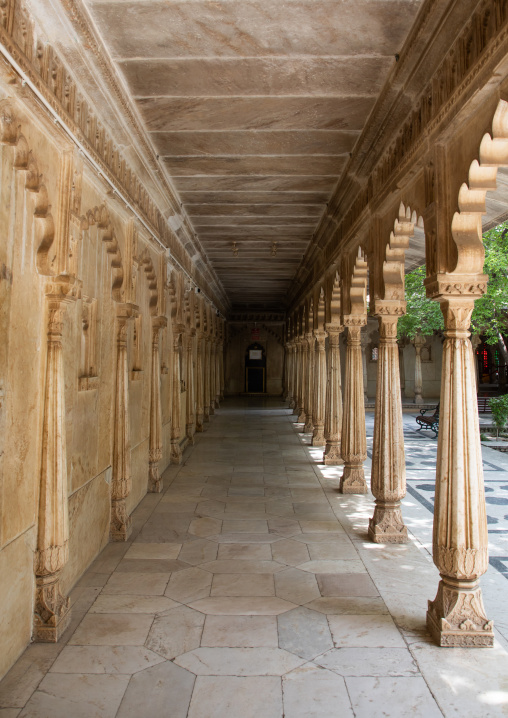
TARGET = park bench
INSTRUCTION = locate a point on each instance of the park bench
(429, 422)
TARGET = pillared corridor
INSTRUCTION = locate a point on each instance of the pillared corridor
(248, 588)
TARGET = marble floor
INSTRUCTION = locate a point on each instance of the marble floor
(249, 589)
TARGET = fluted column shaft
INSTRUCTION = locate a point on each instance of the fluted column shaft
(388, 480)
(365, 343)
(155, 440)
(176, 414)
(291, 375)
(190, 426)
(121, 482)
(206, 382)
(297, 375)
(211, 376)
(419, 343)
(199, 384)
(221, 369)
(457, 617)
(52, 608)
(217, 375)
(353, 439)
(318, 413)
(308, 400)
(333, 402)
(302, 381)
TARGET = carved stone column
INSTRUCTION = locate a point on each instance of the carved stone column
(52, 609)
(199, 383)
(211, 376)
(121, 477)
(353, 439)
(388, 482)
(475, 343)
(206, 379)
(291, 375)
(402, 369)
(308, 399)
(318, 414)
(190, 427)
(419, 343)
(365, 342)
(457, 617)
(176, 417)
(221, 370)
(302, 382)
(333, 407)
(217, 375)
(155, 442)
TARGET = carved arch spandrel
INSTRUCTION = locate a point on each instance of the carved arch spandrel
(466, 276)
(321, 310)
(145, 261)
(99, 216)
(355, 287)
(335, 299)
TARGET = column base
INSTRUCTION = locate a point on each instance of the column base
(456, 618)
(199, 423)
(418, 399)
(301, 417)
(308, 427)
(318, 437)
(387, 526)
(291, 404)
(211, 410)
(154, 480)
(331, 456)
(190, 430)
(206, 415)
(52, 610)
(353, 481)
(121, 522)
(175, 456)
(217, 404)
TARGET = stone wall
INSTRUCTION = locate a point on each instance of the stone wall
(81, 281)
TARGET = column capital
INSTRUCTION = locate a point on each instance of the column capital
(334, 329)
(440, 286)
(389, 307)
(355, 320)
(320, 336)
(419, 342)
(63, 288)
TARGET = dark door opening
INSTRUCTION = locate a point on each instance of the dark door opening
(255, 369)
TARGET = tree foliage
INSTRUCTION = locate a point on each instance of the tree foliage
(421, 313)
(490, 314)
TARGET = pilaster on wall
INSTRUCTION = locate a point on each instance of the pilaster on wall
(121, 483)
(155, 441)
(52, 609)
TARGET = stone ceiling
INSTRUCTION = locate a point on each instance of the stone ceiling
(253, 107)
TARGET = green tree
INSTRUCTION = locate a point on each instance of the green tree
(421, 313)
(490, 315)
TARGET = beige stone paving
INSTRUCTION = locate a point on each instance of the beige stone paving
(248, 589)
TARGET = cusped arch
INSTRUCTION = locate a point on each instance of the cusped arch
(99, 216)
(145, 261)
(482, 177)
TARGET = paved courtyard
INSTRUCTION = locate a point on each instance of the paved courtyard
(249, 589)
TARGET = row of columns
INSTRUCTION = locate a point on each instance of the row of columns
(205, 387)
(457, 616)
